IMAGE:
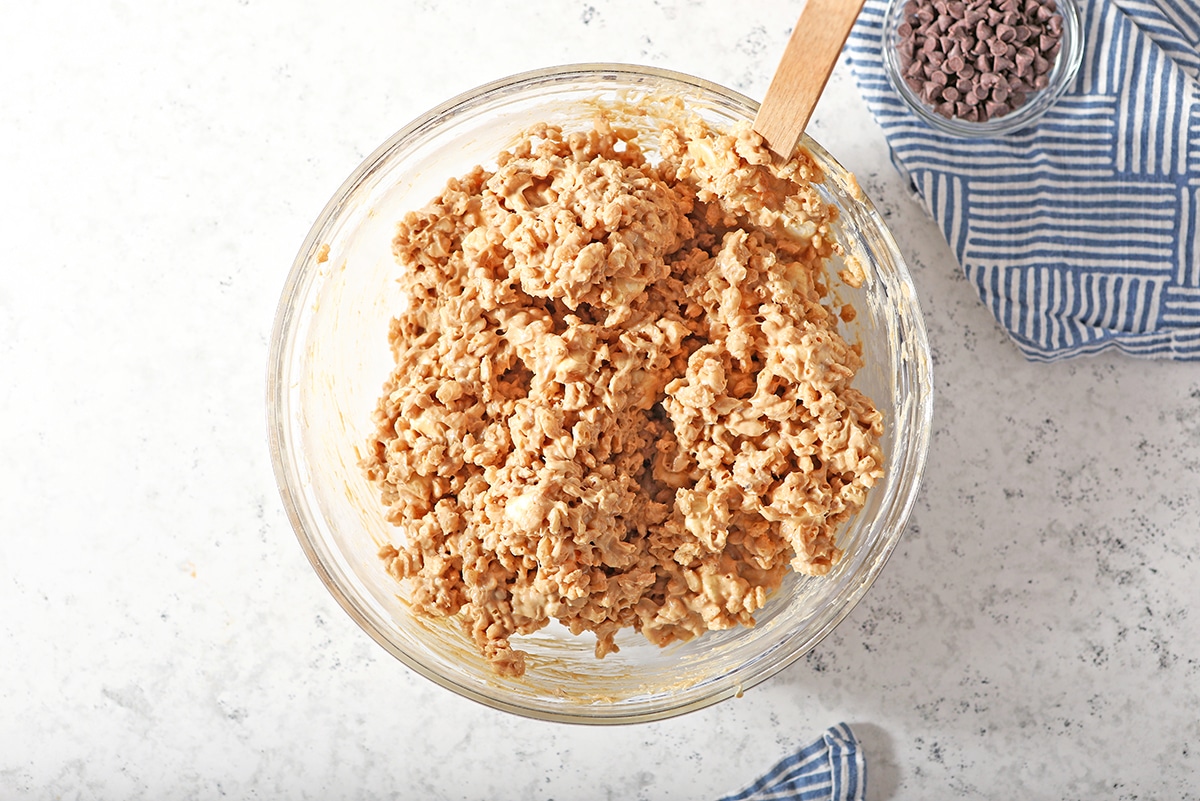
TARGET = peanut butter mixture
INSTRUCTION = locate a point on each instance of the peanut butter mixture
(620, 397)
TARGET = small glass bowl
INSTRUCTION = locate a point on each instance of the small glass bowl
(1062, 74)
(330, 355)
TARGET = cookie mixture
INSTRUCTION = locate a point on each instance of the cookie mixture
(620, 397)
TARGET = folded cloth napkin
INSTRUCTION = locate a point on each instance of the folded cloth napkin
(1082, 232)
(829, 769)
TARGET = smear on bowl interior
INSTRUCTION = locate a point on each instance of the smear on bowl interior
(620, 396)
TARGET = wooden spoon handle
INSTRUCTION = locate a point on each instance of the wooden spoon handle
(810, 56)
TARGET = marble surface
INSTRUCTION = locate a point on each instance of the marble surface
(164, 637)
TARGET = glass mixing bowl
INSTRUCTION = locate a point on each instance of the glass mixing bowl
(329, 357)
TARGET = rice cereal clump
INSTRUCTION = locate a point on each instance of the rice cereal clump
(620, 398)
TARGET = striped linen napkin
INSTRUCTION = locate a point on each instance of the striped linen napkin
(1080, 233)
(830, 768)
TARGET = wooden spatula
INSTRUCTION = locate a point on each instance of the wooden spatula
(810, 56)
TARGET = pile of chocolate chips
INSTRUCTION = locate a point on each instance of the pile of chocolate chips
(977, 60)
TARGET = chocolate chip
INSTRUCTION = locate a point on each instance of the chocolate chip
(994, 109)
(1024, 61)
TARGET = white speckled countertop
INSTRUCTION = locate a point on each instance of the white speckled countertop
(163, 635)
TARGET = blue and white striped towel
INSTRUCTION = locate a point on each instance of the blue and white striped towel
(1082, 232)
(829, 769)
